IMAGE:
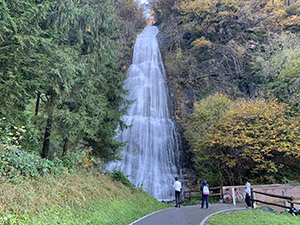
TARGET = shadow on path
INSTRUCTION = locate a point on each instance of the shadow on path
(186, 215)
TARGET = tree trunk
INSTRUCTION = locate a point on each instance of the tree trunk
(37, 103)
(65, 146)
(46, 144)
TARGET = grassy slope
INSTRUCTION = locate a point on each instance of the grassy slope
(74, 199)
(253, 217)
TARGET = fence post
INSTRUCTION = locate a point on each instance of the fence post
(253, 203)
(292, 207)
(285, 202)
(221, 194)
(233, 196)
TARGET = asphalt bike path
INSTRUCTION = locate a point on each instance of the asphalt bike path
(185, 215)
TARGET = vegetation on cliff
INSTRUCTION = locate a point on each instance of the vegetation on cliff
(233, 68)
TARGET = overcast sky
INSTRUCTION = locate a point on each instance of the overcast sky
(146, 13)
(143, 1)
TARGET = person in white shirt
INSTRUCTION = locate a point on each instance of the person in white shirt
(248, 194)
(177, 187)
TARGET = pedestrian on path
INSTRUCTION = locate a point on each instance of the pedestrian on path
(177, 187)
(248, 193)
(205, 193)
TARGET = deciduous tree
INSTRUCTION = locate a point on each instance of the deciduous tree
(254, 139)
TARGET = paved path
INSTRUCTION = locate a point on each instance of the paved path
(186, 215)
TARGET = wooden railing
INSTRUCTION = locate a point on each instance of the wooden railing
(289, 198)
(189, 193)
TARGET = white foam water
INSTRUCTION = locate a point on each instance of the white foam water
(150, 158)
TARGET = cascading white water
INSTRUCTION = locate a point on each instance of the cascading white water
(150, 158)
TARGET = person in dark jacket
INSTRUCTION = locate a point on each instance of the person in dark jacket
(205, 193)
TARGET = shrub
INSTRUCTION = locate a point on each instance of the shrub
(15, 164)
(118, 175)
(72, 159)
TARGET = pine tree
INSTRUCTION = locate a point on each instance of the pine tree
(60, 74)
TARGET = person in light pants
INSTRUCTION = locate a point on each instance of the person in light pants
(177, 187)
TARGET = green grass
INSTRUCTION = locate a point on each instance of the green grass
(253, 217)
(82, 198)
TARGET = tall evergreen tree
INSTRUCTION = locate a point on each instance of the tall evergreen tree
(59, 72)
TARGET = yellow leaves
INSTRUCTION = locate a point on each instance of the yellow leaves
(179, 54)
(88, 29)
(201, 43)
(151, 11)
(279, 11)
(231, 163)
(253, 133)
(87, 161)
(206, 14)
(197, 7)
(257, 135)
(274, 5)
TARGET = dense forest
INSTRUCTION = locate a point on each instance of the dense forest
(61, 71)
(233, 68)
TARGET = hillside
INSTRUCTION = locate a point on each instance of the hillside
(75, 198)
(217, 54)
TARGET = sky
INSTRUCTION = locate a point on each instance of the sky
(143, 1)
(146, 13)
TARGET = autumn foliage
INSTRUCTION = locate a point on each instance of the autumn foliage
(254, 139)
(249, 50)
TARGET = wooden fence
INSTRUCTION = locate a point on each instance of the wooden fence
(189, 194)
(196, 193)
(289, 198)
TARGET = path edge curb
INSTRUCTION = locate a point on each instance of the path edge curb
(146, 216)
(225, 210)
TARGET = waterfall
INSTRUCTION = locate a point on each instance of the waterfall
(150, 158)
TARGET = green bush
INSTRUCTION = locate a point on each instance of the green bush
(23, 135)
(15, 164)
(118, 175)
(72, 159)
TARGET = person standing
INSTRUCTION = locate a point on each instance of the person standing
(177, 187)
(205, 193)
(248, 194)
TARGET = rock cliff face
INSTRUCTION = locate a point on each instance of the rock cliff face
(236, 48)
(194, 74)
(180, 104)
